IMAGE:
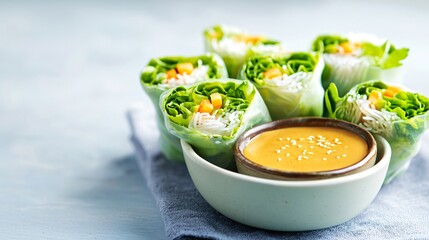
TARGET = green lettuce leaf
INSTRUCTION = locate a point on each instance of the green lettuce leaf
(284, 101)
(386, 56)
(403, 133)
(296, 62)
(328, 43)
(331, 101)
(367, 62)
(152, 77)
(234, 59)
(406, 105)
(155, 71)
(179, 105)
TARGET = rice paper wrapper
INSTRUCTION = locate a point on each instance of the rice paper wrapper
(404, 136)
(348, 71)
(169, 144)
(283, 102)
(218, 149)
(233, 56)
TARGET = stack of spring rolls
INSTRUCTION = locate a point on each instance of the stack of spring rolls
(244, 80)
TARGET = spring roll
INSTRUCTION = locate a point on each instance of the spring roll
(288, 83)
(165, 73)
(235, 45)
(398, 115)
(211, 115)
(358, 58)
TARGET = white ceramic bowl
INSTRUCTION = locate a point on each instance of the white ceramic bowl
(287, 205)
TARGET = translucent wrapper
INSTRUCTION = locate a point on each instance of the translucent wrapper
(235, 46)
(401, 119)
(153, 80)
(358, 58)
(297, 92)
(214, 137)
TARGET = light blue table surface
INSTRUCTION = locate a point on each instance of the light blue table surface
(70, 70)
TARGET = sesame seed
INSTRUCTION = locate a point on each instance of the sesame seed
(299, 145)
(280, 139)
(299, 158)
(287, 154)
(301, 139)
(279, 159)
(278, 151)
(338, 157)
(311, 153)
(344, 155)
(305, 157)
(283, 147)
(311, 146)
(293, 142)
(329, 151)
(286, 145)
(288, 139)
(324, 159)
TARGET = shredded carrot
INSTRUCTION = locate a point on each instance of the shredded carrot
(205, 106)
(187, 68)
(216, 100)
(171, 73)
(272, 73)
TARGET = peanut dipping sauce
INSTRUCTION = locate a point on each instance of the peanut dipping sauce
(306, 149)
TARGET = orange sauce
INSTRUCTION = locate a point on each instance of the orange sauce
(306, 149)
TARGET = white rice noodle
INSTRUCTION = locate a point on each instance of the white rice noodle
(213, 124)
(294, 83)
(348, 68)
(198, 74)
(364, 113)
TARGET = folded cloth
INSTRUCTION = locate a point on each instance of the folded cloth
(400, 211)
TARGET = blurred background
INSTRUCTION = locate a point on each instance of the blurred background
(69, 71)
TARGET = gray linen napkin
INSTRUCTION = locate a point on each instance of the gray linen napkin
(400, 211)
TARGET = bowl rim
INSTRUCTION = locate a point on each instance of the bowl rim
(381, 164)
(250, 134)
